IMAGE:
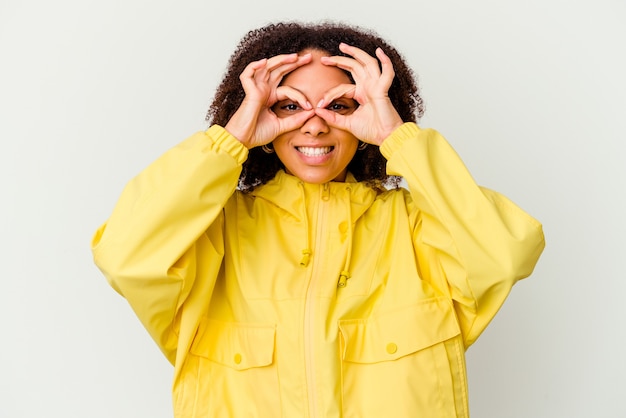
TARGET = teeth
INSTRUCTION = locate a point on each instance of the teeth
(314, 151)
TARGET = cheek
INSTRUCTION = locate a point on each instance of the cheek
(279, 143)
(281, 148)
(351, 144)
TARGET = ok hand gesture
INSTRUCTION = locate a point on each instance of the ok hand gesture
(254, 123)
(375, 118)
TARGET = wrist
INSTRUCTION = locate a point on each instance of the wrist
(388, 131)
(239, 134)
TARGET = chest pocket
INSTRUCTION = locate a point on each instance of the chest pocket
(403, 363)
(233, 359)
(235, 345)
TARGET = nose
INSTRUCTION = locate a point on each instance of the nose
(315, 126)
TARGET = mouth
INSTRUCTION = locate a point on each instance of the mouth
(314, 151)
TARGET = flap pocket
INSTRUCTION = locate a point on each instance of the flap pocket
(237, 345)
(399, 333)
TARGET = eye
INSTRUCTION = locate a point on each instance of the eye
(336, 106)
(285, 108)
(344, 107)
(292, 107)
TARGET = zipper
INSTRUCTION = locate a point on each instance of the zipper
(310, 303)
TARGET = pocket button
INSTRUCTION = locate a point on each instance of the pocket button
(392, 348)
(237, 358)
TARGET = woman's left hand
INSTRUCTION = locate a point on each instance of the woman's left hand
(376, 117)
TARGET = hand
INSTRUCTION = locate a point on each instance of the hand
(254, 123)
(375, 118)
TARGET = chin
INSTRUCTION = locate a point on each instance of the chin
(317, 176)
(314, 180)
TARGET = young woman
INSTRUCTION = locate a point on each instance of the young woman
(278, 265)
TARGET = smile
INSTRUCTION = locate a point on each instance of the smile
(314, 151)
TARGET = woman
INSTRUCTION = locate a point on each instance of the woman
(277, 264)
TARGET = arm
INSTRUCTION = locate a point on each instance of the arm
(167, 228)
(471, 243)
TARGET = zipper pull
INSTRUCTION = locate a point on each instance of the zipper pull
(326, 192)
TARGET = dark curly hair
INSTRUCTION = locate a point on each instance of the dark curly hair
(287, 37)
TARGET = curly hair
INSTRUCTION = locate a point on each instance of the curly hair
(367, 165)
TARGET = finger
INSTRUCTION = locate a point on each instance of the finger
(358, 54)
(345, 63)
(249, 79)
(333, 119)
(294, 121)
(358, 69)
(261, 70)
(281, 65)
(388, 72)
(373, 66)
(289, 93)
(278, 60)
(251, 68)
(260, 78)
(342, 90)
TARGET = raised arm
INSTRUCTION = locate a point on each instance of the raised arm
(167, 228)
(471, 243)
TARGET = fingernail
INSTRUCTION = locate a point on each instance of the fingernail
(321, 102)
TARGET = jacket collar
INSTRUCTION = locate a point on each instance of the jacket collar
(285, 191)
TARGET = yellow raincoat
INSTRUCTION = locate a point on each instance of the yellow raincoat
(302, 300)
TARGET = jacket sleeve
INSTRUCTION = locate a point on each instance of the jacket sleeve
(471, 243)
(167, 229)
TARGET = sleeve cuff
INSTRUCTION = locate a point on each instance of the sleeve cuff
(394, 141)
(223, 141)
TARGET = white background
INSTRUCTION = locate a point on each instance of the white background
(530, 93)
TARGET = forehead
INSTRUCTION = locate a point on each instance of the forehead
(315, 78)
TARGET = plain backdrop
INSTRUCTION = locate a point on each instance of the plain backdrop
(530, 93)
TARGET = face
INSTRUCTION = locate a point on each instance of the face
(316, 153)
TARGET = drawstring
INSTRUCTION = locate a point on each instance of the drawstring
(345, 273)
(306, 253)
(306, 257)
(343, 278)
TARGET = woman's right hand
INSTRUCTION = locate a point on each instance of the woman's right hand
(254, 123)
